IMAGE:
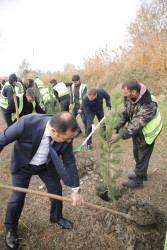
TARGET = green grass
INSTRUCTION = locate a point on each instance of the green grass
(162, 106)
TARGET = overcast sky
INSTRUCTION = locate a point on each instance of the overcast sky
(52, 33)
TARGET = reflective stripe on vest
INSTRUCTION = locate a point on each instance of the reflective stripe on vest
(81, 89)
(19, 88)
(4, 99)
(45, 95)
(39, 83)
(61, 89)
(153, 128)
(21, 106)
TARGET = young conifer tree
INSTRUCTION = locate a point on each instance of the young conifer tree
(109, 156)
(52, 107)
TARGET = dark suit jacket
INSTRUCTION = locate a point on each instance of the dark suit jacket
(26, 134)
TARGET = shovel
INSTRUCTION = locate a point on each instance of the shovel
(89, 205)
(62, 198)
(16, 107)
(57, 197)
(77, 150)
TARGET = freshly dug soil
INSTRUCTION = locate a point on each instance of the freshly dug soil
(146, 232)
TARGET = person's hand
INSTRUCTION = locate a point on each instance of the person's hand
(79, 111)
(113, 138)
(70, 106)
(114, 132)
(77, 199)
(93, 127)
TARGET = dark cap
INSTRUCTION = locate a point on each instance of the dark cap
(75, 78)
(12, 78)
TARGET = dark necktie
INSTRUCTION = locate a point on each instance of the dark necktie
(58, 165)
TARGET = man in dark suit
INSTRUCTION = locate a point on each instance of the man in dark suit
(93, 106)
(31, 155)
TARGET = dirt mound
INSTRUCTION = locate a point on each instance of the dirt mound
(148, 234)
(148, 229)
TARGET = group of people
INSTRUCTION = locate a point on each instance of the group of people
(84, 101)
(36, 151)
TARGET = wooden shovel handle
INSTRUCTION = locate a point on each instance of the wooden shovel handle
(16, 107)
(62, 198)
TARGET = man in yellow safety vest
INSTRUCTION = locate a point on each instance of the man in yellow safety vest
(77, 93)
(62, 93)
(7, 93)
(142, 114)
(27, 104)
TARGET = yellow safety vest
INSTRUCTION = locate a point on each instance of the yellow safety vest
(81, 89)
(61, 89)
(19, 88)
(39, 83)
(45, 95)
(153, 128)
(21, 106)
(4, 99)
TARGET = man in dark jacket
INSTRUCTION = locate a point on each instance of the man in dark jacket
(78, 90)
(27, 103)
(7, 95)
(25, 83)
(61, 93)
(93, 105)
(141, 112)
(38, 141)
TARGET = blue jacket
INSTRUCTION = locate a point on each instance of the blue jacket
(26, 134)
(95, 106)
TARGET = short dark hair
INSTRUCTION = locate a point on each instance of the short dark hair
(132, 84)
(53, 81)
(75, 78)
(64, 121)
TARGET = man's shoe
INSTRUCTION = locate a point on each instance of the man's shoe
(78, 133)
(89, 147)
(84, 135)
(133, 184)
(65, 224)
(12, 240)
(133, 177)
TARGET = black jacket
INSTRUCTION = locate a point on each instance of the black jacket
(95, 106)
(27, 109)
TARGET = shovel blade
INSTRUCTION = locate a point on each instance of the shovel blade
(77, 150)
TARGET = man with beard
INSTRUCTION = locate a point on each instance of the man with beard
(142, 114)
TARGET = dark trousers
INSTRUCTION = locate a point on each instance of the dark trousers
(22, 179)
(83, 117)
(7, 116)
(89, 126)
(64, 104)
(142, 156)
